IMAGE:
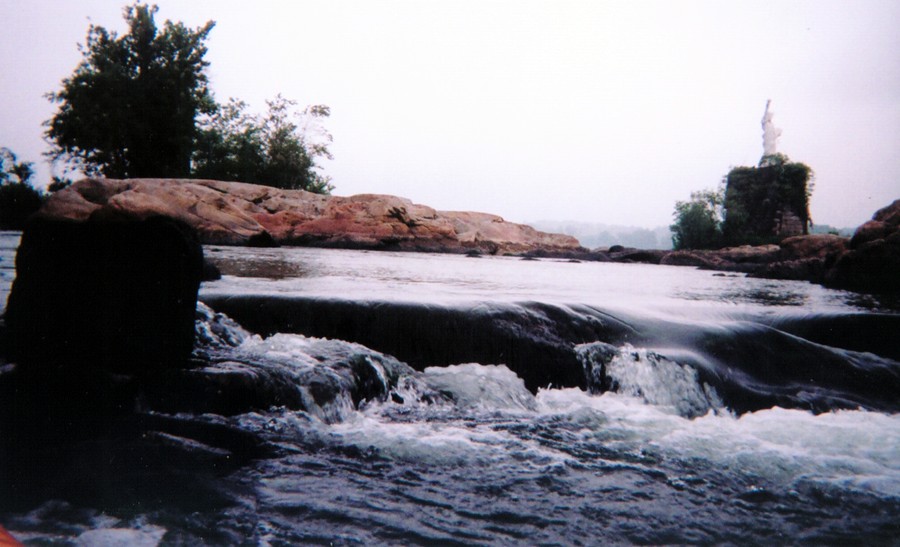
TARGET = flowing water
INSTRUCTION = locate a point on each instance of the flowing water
(435, 399)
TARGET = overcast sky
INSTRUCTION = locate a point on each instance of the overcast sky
(593, 111)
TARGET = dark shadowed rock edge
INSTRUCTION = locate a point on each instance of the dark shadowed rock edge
(100, 313)
(113, 295)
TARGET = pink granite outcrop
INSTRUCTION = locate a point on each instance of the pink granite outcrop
(234, 213)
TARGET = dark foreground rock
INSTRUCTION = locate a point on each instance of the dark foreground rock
(111, 295)
(114, 387)
(98, 310)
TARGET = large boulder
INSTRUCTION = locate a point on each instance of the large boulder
(821, 246)
(804, 258)
(703, 259)
(699, 259)
(873, 262)
(643, 256)
(748, 254)
(870, 231)
(234, 213)
(110, 295)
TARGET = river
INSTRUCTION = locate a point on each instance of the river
(526, 402)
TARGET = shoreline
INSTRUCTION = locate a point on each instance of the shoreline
(235, 213)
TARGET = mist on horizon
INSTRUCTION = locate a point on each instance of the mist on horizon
(599, 112)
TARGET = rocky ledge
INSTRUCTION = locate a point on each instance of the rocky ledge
(233, 213)
(867, 262)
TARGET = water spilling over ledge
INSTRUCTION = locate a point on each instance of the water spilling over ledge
(389, 398)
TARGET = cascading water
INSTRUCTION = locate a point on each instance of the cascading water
(632, 404)
(648, 376)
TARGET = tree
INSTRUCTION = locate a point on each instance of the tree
(18, 199)
(129, 109)
(697, 222)
(272, 150)
(229, 145)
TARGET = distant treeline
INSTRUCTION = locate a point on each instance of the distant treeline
(593, 235)
(826, 229)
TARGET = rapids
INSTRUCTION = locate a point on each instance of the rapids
(430, 399)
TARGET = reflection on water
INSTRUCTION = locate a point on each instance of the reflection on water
(440, 278)
(267, 266)
(765, 295)
(453, 278)
(874, 302)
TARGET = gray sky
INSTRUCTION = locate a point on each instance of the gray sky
(593, 111)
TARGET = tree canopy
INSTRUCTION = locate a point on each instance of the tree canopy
(13, 171)
(273, 149)
(129, 109)
(139, 105)
(18, 199)
(747, 208)
(698, 221)
(756, 196)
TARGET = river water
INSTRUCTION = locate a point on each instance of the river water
(514, 402)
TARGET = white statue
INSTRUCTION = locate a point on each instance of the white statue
(770, 132)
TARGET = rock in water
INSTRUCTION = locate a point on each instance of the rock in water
(873, 262)
(113, 295)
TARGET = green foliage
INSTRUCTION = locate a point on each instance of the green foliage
(13, 171)
(58, 183)
(697, 222)
(138, 105)
(745, 210)
(754, 196)
(129, 109)
(18, 199)
(229, 145)
(272, 150)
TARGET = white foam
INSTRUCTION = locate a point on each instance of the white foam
(652, 377)
(286, 348)
(423, 442)
(488, 387)
(144, 536)
(466, 431)
(847, 449)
